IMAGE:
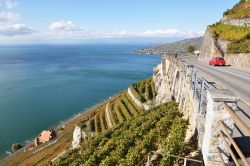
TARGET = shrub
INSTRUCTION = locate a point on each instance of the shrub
(190, 49)
(16, 147)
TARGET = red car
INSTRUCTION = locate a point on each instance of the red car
(217, 61)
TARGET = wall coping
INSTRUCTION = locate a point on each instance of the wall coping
(219, 95)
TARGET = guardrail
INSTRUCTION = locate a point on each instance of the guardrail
(200, 86)
(225, 135)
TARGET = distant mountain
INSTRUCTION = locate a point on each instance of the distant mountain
(179, 47)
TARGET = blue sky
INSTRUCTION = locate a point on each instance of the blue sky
(83, 20)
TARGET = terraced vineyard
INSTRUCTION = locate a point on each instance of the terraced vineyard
(120, 108)
(130, 141)
(144, 90)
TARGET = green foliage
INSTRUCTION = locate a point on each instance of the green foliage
(240, 46)
(174, 143)
(129, 142)
(16, 147)
(229, 32)
(238, 35)
(239, 11)
(144, 90)
(190, 49)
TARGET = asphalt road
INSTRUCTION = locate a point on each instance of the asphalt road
(236, 80)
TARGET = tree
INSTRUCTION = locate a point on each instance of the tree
(16, 147)
(190, 49)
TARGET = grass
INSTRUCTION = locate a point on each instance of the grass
(239, 11)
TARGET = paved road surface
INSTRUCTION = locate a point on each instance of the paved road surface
(236, 80)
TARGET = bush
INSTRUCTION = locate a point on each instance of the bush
(190, 49)
(16, 147)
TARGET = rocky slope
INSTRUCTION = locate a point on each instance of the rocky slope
(230, 37)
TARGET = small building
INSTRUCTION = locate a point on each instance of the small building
(45, 136)
(197, 52)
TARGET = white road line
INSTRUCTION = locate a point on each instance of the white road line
(239, 75)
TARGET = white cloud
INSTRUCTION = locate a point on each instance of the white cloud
(65, 26)
(66, 29)
(9, 17)
(9, 27)
(14, 29)
(11, 4)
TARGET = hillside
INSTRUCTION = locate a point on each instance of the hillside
(131, 141)
(179, 47)
(111, 113)
(230, 37)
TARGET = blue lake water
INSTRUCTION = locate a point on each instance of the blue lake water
(41, 85)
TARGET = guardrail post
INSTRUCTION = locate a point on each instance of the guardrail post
(201, 94)
(195, 84)
(216, 112)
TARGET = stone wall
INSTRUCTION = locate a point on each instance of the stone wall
(237, 22)
(239, 60)
(138, 102)
(172, 80)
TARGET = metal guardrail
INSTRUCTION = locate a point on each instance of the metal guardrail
(199, 85)
(225, 134)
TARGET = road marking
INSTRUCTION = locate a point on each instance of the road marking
(239, 75)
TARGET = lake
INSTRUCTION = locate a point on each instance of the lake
(43, 85)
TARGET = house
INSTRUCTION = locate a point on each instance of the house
(45, 136)
(197, 52)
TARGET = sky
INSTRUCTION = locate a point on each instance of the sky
(29, 21)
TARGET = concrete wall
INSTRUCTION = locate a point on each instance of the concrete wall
(173, 81)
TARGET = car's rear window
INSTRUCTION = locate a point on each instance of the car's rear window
(221, 59)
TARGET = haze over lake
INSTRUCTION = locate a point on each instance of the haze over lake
(41, 85)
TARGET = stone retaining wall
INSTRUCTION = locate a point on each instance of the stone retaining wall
(173, 81)
(237, 22)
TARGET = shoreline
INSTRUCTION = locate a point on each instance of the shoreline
(57, 128)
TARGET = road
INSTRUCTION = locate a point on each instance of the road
(236, 80)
